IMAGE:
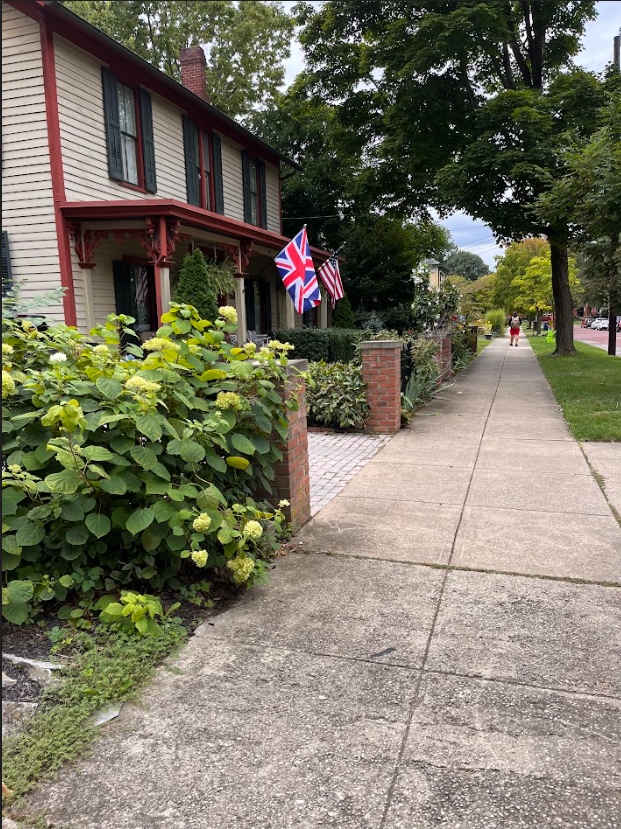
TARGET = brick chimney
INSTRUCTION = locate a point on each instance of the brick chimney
(193, 66)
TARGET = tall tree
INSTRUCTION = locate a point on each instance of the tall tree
(588, 198)
(246, 43)
(493, 91)
(512, 267)
(466, 264)
(532, 289)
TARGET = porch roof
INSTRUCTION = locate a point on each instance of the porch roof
(188, 214)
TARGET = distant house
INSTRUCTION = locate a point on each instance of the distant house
(112, 171)
(437, 272)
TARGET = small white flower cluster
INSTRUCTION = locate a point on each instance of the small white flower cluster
(58, 357)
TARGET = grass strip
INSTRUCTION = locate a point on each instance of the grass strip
(106, 668)
(587, 386)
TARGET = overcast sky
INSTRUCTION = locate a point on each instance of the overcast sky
(597, 52)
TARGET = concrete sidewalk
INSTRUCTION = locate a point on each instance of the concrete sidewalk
(430, 664)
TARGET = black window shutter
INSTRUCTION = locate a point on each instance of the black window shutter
(262, 194)
(245, 160)
(113, 124)
(7, 277)
(218, 181)
(148, 143)
(190, 147)
(123, 289)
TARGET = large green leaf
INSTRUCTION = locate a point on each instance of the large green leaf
(114, 486)
(242, 444)
(162, 511)
(210, 498)
(149, 425)
(77, 534)
(122, 444)
(96, 453)
(15, 613)
(30, 534)
(264, 424)
(20, 590)
(191, 451)
(144, 456)
(215, 461)
(139, 520)
(99, 525)
(109, 387)
(66, 482)
(10, 499)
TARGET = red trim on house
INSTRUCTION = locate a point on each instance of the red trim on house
(32, 10)
(136, 187)
(186, 213)
(56, 170)
(139, 146)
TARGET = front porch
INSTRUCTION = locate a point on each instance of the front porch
(125, 259)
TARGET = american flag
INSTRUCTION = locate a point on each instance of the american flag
(331, 278)
(297, 271)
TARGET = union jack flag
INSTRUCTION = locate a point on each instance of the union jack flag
(331, 277)
(297, 271)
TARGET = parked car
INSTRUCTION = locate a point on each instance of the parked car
(597, 324)
(586, 322)
(603, 326)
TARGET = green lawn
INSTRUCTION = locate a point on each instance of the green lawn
(481, 344)
(587, 386)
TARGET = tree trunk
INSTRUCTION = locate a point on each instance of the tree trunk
(563, 302)
(538, 323)
(612, 325)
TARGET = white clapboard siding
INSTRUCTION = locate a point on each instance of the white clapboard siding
(27, 199)
(272, 197)
(232, 179)
(83, 137)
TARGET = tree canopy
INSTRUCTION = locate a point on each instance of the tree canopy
(246, 43)
(495, 95)
(466, 264)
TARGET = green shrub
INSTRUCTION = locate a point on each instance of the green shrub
(462, 347)
(343, 315)
(330, 345)
(336, 396)
(121, 469)
(498, 320)
(193, 286)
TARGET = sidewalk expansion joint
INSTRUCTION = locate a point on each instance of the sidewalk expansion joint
(461, 568)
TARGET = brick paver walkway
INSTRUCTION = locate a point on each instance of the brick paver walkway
(334, 460)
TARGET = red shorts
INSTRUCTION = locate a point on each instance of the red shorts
(515, 332)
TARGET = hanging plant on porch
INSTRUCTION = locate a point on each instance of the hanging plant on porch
(220, 276)
(201, 281)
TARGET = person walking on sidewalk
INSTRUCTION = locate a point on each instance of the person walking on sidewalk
(514, 328)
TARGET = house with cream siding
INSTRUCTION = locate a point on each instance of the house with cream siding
(112, 172)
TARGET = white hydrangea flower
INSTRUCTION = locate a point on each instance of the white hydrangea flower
(58, 357)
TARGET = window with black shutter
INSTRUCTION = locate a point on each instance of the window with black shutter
(207, 172)
(255, 202)
(7, 278)
(192, 161)
(129, 133)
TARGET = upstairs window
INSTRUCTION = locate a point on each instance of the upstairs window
(203, 167)
(129, 133)
(255, 207)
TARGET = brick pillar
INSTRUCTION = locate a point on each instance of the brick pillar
(193, 66)
(381, 371)
(292, 480)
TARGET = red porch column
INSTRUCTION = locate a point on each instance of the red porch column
(292, 481)
(381, 371)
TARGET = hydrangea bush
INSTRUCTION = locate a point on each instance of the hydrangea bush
(125, 466)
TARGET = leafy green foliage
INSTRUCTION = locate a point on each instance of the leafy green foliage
(105, 668)
(136, 612)
(466, 264)
(330, 345)
(434, 310)
(423, 383)
(336, 396)
(120, 466)
(246, 43)
(497, 318)
(511, 266)
(343, 316)
(193, 286)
